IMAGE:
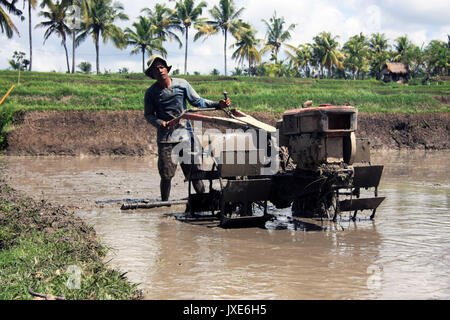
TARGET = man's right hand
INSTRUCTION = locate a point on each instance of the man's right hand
(163, 124)
(224, 103)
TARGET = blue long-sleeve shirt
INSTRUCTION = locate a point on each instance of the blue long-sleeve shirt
(167, 104)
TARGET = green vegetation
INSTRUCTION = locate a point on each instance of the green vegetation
(53, 91)
(43, 91)
(50, 251)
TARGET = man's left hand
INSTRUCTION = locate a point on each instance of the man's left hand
(224, 103)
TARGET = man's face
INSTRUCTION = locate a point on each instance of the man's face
(159, 70)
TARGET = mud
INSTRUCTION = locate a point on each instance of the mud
(127, 132)
(403, 254)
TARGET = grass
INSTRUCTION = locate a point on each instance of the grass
(47, 249)
(55, 91)
(41, 91)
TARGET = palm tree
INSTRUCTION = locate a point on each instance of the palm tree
(143, 39)
(75, 25)
(31, 5)
(326, 52)
(301, 57)
(356, 51)
(246, 47)
(185, 15)
(379, 47)
(55, 23)
(378, 43)
(404, 51)
(437, 57)
(162, 23)
(99, 18)
(276, 35)
(6, 23)
(225, 19)
(402, 46)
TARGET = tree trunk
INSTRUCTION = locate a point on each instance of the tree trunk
(67, 57)
(225, 31)
(73, 50)
(185, 50)
(29, 33)
(143, 58)
(97, 48)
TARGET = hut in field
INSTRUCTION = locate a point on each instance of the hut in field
(395, 71)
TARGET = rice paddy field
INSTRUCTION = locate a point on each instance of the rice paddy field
(55, 91)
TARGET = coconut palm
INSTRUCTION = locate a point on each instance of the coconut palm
(224, 19)
(31, 5)
(301, 57)
(162, 22)
(437, 57)
(402, 46)
(378, 43)
(100, 17)
(56, 23)
(276, 34)
(246, 47)
(6, 24)
(326, 52)
(75, 25)
(356, 51)
(379, 47)
(143, 38)
(185, 15)
(404, 51)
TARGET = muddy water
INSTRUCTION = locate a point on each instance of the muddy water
(403, 254)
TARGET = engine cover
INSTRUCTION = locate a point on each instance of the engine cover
(320, 135)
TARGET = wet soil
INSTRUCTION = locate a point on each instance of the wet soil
(403, 254)
(127, 132)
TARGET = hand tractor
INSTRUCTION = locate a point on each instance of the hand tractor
(312, 161)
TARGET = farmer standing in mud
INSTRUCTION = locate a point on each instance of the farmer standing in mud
(166, 100)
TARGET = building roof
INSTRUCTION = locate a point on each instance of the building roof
(397, 67)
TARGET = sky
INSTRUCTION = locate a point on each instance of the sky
(420, 20)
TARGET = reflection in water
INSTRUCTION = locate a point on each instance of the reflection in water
(404, 253)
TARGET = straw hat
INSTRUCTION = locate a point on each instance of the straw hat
(150, 62)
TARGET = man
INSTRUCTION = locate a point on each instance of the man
(166, 100)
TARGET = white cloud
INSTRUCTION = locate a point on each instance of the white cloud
(433, 12)
(442, 33)
(7, 49)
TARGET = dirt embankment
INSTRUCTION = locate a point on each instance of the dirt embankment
(127, 132)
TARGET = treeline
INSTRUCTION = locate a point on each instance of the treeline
(360, 57)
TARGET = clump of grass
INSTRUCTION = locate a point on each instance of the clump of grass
(50, 251)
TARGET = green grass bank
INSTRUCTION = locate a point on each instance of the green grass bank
(41, 91)
(47, 249)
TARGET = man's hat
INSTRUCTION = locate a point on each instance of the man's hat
(150, 62)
